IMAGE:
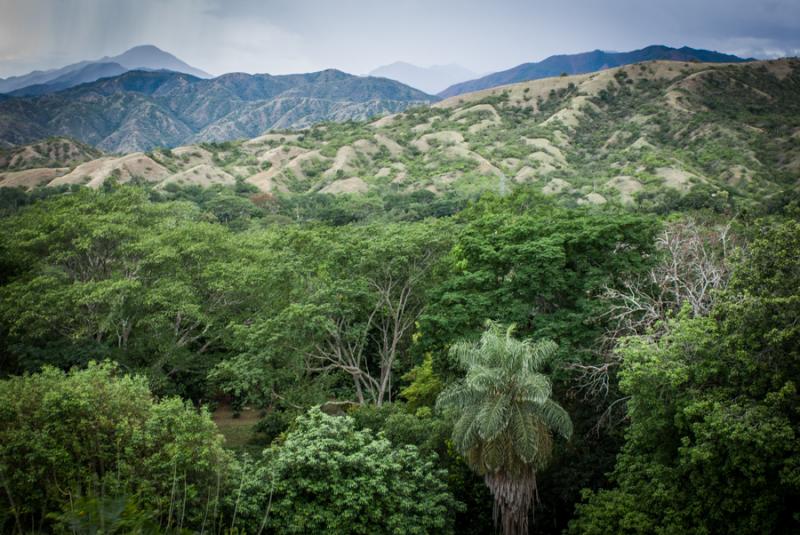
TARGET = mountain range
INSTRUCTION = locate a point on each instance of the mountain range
(586, 62)
(429, 79)
(140, 110)
(165, 104)
(146, 57)
(653, 134)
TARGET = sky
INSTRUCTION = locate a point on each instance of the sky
(356, 36)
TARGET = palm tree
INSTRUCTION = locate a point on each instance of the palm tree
(505, 418)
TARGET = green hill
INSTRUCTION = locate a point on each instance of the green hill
(586, 62)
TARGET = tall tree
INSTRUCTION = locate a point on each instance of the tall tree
(111, 274)
(506, 418)
(97, 436)
(363, 290)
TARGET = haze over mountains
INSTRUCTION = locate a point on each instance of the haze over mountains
(586, 62)
(106, 104)
(146, 57)
(429, 79)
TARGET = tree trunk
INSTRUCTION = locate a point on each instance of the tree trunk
(514, 499)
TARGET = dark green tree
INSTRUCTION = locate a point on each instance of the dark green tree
(95, 439)
(712, 445)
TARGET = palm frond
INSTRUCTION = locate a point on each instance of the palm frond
(493, 416)
(457, 396)
(534, 387)
(493, 455)
(506, 417)
(465, 353)
(465, 430)
(523, 434)
(556, 418)
(484, 379)
(540, 353)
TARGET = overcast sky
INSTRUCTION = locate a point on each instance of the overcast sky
(283, 36)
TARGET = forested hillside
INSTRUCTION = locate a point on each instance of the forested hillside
(141, 110)
(564, 306)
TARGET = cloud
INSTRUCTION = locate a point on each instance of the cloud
(280, 36)
(237, 42)
(757, 47)
(51, 33)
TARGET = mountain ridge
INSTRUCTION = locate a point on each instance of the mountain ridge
(586, 62)
(86, 74)
(146, 57)
(655, 134)
(140, 110)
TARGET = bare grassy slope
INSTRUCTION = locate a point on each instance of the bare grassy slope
(51, 152)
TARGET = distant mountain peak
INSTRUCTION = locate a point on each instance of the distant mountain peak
(152, 57)
(143, 57)
(429, 79)
(167, 108)
(146, 48)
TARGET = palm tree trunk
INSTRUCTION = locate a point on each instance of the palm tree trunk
(514, 499)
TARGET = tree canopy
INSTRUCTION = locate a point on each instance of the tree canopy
(712, 445)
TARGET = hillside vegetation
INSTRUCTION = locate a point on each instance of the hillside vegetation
(651, 134)
(568, 306)
(595, 60)
(51, 152)
(140, 110)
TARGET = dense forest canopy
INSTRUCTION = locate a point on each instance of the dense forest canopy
(670, 340)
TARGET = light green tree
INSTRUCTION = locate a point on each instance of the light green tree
(329, 477)
(505, 418)
(96, 446)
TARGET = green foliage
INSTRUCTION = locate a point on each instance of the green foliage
(90, 436)
(712, 445)
(424, 385)
(340, 291)
(328, 477)
(231, 210)
(112, 274)
(92, 516)
(215, 293)
(518, 260)
(430, 433)
(504, 414)
(504, 418)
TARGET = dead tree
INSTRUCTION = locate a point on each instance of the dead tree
(694, 266)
